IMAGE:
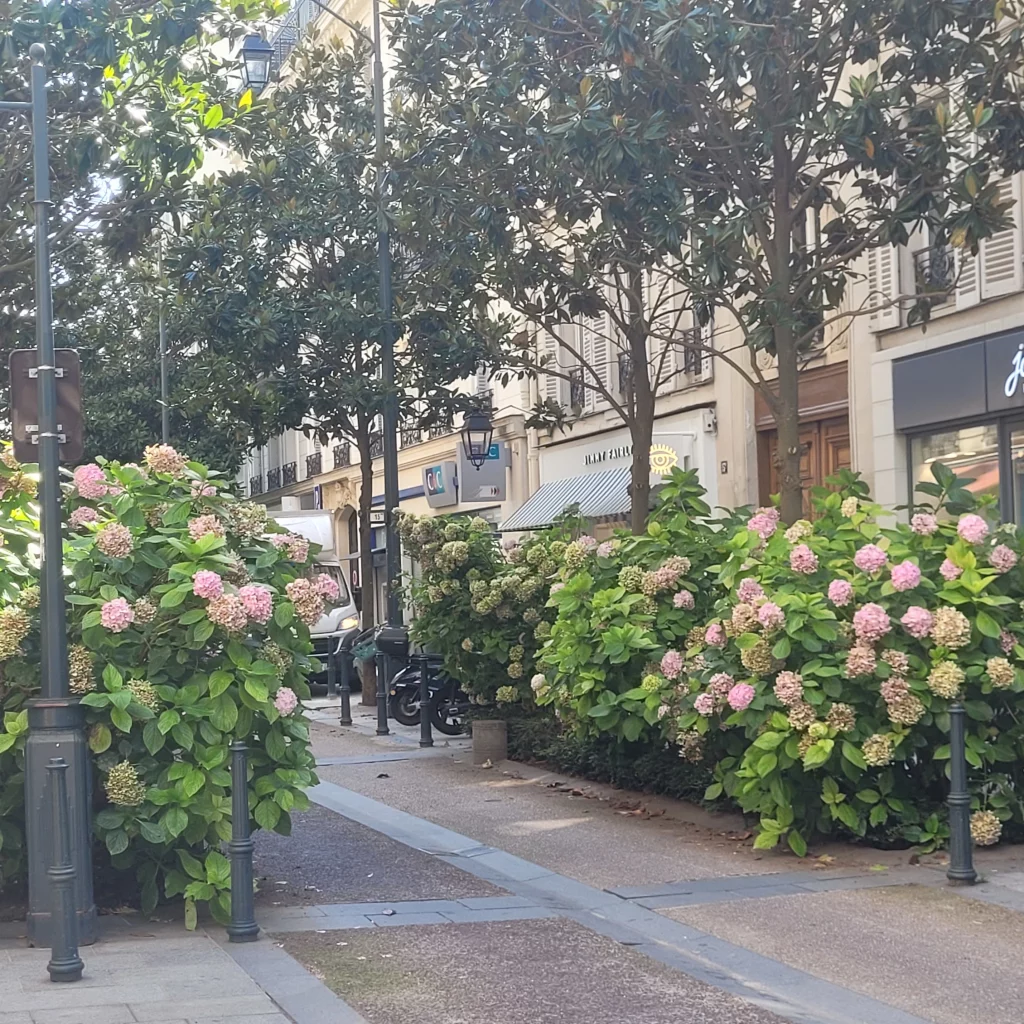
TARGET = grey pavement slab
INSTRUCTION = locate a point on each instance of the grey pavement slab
(928, 951)
(541, 972)
(331, 859)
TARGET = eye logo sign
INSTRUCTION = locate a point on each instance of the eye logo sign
(664, 459)
(1016, 378)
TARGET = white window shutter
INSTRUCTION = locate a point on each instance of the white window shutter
(968, 292)
(1000, 255)
(707, 338)
(663, 312)
(884, 286)
(595, 348)
(553, 389)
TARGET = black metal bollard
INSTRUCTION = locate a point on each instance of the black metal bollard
(243, 926)
(346, 666)
(65, 963)
(383, 685)
(961, 845)
(426, 736)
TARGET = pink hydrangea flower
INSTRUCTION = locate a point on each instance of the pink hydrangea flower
(327, 587)
(162, 458)
(1006, 641)
(257, 602)
(207, 584)
(556, 587)
(201, 490)
(972, 528)
(115, 541)
(90, 481)
(740, 696)
(117, 615)
(720, 684)
(840, 592)
(871, 623)
(606, 549)
(765, 521)
(298, 548)
(81, 516)
(228, 611)
(285, 700)
(672, 665)
(279, 540)
(924, 523)
(771, 616)
(789, 688)
(715, 635)
(749, 590)
(587, 542)
(704, 704)
(803, 559)
(905, 576)
(202, 525)
(1002, 558)
(917, 621)
(683, 599)
(870, 558)
(949, 570)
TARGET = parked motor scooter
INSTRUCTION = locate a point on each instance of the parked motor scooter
(448, 704)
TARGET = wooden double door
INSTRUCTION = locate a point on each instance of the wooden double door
(825, 448)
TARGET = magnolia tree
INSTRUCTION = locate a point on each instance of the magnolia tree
(188, 621)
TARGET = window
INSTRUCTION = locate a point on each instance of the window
(971, 452)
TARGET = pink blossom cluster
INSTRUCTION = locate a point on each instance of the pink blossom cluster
(704, 704)
(201, 490)
(860, 661)
(587, 542)
(949, 570)
(683, 599)
(789, 688)
(556, 587)
(672, 665)
(802, 559)
(905, 575)
(924, 523)
(309, 603)
(714, 635)
(749, 590)
(917, 621)
(1006, 642)
(870, 558)
(894, 689)
(116, 615)
(81, 516)
(162, 458)
(115, 541)
(90, 481)
(1002, 558)
(202, 525)
(297, 547)
(771, 616)
(765, 521)
(257, 602)
(740, 696)
(720, 684)
(227, 610)
(327, 587)
(207, 584)
(972, 528)
(871, 623)
(285, 700)
(840, 592)
(606, 549)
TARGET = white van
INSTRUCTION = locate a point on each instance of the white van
(343, 620)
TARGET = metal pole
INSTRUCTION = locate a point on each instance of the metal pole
(243, 926)
(65, 963)
(387, 349)
(426, 736)
(383, 663)
(332, 674)
(56, 721)
(346, 668)
(165, 408)
(961, 845)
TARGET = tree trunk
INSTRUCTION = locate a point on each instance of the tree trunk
(787, 422)
(366, 534)
(641, 426)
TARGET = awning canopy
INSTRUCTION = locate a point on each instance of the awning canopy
(597, 494)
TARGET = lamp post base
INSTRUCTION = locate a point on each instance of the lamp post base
(56, 729)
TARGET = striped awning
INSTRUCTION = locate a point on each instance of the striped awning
(605, 493)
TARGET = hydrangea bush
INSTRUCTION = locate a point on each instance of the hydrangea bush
(188, 619)
(480, 604)
(820, 687)
(615, 661)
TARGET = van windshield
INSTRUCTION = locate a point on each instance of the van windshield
(334, 571)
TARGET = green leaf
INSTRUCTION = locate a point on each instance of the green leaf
(766, 841)
(987, 625)
(853, 754)
(121, 719)
(117, 842)
(259, 693)
(284, 613)
(868, 796)
(769, 740)
(112, 679)
(782, 648)
(152, 737)
(267, 814)
(797, 843)
(219, 682)
(174, 821)
(191, 918)
(168, 720)
(152, 832)
(99, 738)
(192, 865)
(193, 782)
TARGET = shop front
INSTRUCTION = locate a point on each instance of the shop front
(963, 406)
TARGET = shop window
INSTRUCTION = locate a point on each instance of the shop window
(971, 452)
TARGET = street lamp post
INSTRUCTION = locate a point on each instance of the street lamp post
(256, 57)
(56, 720)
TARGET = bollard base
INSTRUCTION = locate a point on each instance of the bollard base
(66, 970)
(247, 933)
(962, 877)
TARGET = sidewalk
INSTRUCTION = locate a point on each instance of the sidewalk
(420, 889)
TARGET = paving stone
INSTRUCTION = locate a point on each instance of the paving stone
(107, 1014)
(495, 902)
(16, 1018)
(499, 914)
(402, 920)
(198, 1009)
(263, 1018)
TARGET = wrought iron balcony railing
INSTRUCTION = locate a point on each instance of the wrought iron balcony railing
(342, 456)
(410, 436)
(274, 479)
(314, 464)
(577, 389)
(289, 473)
(935, 273)
(376, 445)
(256, 485)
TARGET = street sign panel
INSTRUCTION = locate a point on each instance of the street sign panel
(25, 405)
(378, 517)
